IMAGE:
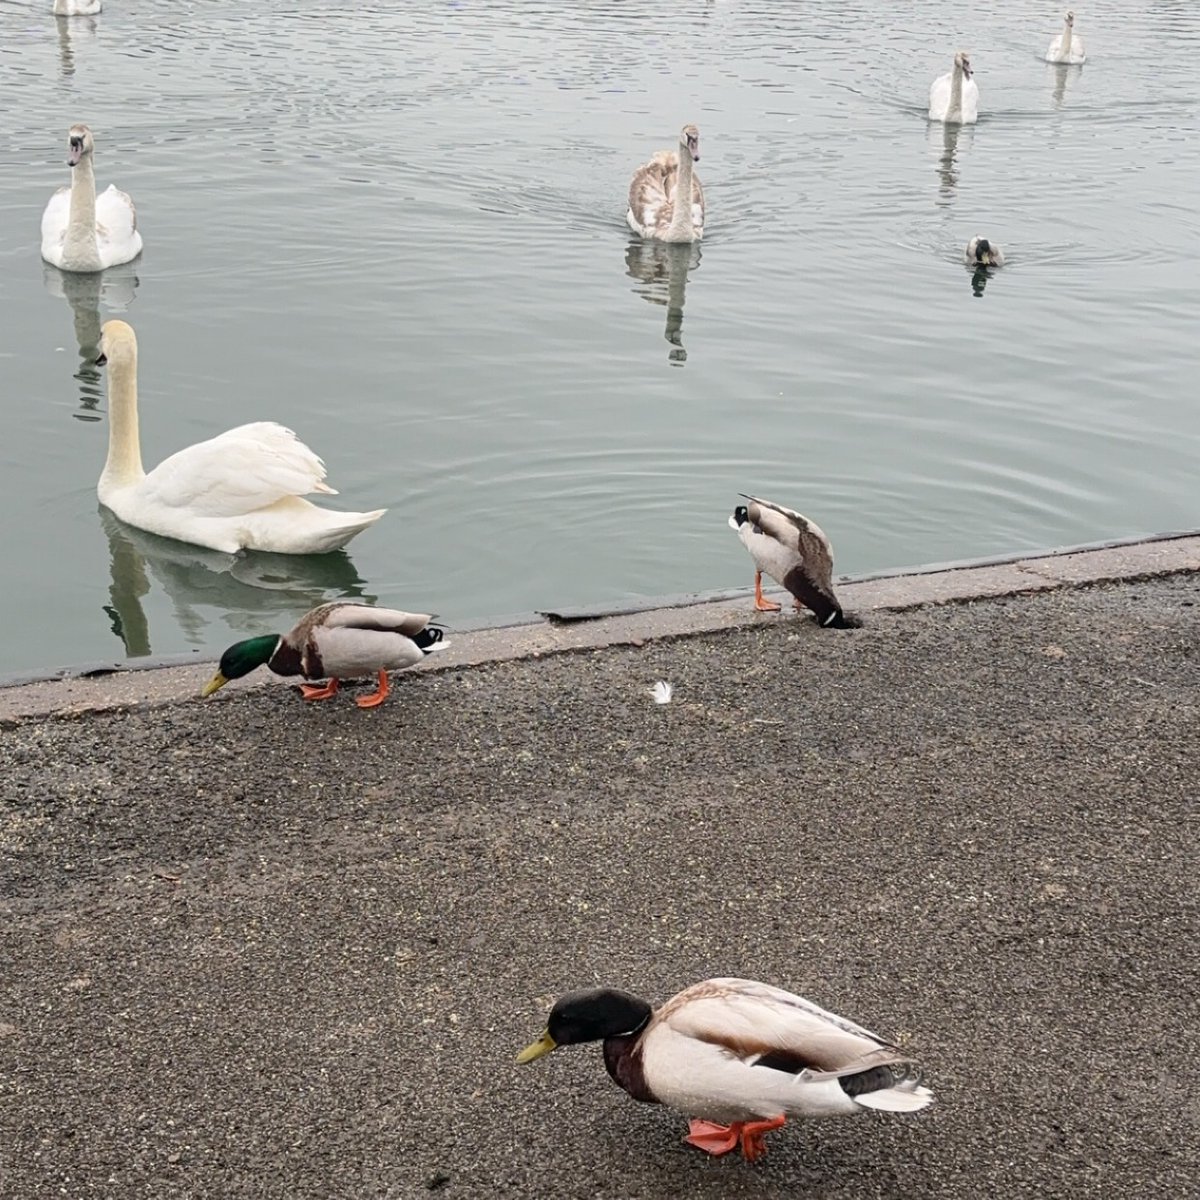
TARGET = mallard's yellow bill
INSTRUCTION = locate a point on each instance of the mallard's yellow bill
(986, 259)
(543, 1045)
(215, 684)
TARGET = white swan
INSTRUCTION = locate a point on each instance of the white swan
(239, 491)
(1068, 46)
(80, 230)
(77, 8)
(656, 187)
(954, 97)
(982, 253)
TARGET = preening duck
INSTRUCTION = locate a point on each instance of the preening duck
(738, 1057)
(982, 253)
(242, 490)
(334, 642)
(954, 97)
(80, 230)
(794, 552)
(659, 191)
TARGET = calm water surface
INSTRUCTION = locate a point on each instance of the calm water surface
(398, 229)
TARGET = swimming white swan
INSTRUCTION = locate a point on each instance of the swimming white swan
(239, 491)
(1068, 46)
(954, 97)
(654, 211)
(80, 230)
(77, 8)
(982, 253)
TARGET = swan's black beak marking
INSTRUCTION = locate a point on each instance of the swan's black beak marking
(101, 360)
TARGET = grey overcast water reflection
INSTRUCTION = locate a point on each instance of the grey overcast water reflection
(398, 229)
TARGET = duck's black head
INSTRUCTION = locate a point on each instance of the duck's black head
(982, 247)
(741, 515)
(589, 1016)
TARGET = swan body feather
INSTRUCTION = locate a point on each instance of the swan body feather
(82, 231)
(954, 97)
(240, 490)
(77, 8)
(1067, 47)
(655, 207)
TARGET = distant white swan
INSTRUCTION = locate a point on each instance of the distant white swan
(80, 230)
(982, 253)
(239, 491)
(655, 210)
(77, 8)
(1068, 46)
(954, 97)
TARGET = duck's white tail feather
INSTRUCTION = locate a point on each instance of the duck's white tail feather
(906, 1097)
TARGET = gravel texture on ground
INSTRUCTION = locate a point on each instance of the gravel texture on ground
(252, 947)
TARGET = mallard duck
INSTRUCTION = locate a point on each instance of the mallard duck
(655, 207)
(736, 1056)
(241, 490)
(1067, 47)
(954, 97)
(982, 253)
(80, 230)
(794, 552)
(333, 642)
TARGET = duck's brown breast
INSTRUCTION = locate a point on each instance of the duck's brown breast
(623, 1060)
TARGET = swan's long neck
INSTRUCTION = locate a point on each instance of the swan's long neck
(124, 465)
(1064, 50)
(681, 219)
(79, 247)
(956, 86)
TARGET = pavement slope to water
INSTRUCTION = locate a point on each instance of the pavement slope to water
(253, 947)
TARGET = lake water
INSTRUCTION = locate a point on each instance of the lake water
(398, 228)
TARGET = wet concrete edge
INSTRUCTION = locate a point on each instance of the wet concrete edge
(106, 687)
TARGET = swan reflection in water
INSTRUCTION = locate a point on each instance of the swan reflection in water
(944, 141)
(1062, 72)
(83, 28)
(245, 593)
(661, 269)
(115, 288)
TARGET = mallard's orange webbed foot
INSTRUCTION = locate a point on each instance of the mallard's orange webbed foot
(713, 1138)
(319, 693)
(376, 698)
(753, 1145)
(760, 601)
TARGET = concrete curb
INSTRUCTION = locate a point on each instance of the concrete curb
(581, 630)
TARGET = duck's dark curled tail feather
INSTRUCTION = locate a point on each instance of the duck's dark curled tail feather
(876, 1079)
(429, 637)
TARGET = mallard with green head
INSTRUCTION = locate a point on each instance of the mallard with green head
(738, 1057)
(333, 642)
(794, 552)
